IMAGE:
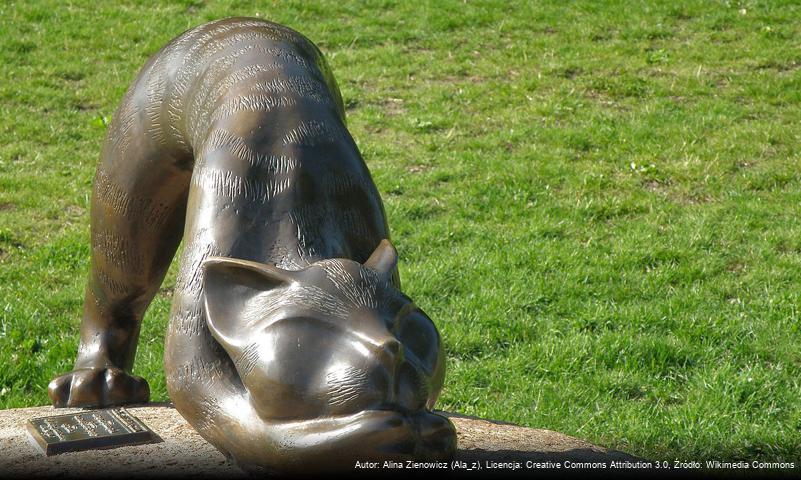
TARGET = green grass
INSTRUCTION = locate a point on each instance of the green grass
(598, 203)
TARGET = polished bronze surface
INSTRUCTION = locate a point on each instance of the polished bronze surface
(74, 432)
(290, 345)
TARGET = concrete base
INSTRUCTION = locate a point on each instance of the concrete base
(183, 452)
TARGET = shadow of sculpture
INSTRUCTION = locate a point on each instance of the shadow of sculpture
(482, 440)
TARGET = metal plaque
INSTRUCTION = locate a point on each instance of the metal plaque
(89, 430)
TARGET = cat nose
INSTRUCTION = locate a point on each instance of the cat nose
(374, 334)
(392, 346)
(391, 350)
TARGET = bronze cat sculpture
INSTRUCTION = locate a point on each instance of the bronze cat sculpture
(290, 346)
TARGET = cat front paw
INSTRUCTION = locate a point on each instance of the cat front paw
(97, 387)
(436, 434)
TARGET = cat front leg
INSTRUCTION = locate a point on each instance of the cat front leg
(336, 443)
(137, 215)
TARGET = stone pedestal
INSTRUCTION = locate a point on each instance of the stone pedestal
(182, 452)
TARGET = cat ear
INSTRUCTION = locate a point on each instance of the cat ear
(229, 284)
(383, 260)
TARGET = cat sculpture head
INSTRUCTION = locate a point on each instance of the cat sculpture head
(335, 338)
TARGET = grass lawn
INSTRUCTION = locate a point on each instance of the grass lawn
(598, 203)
